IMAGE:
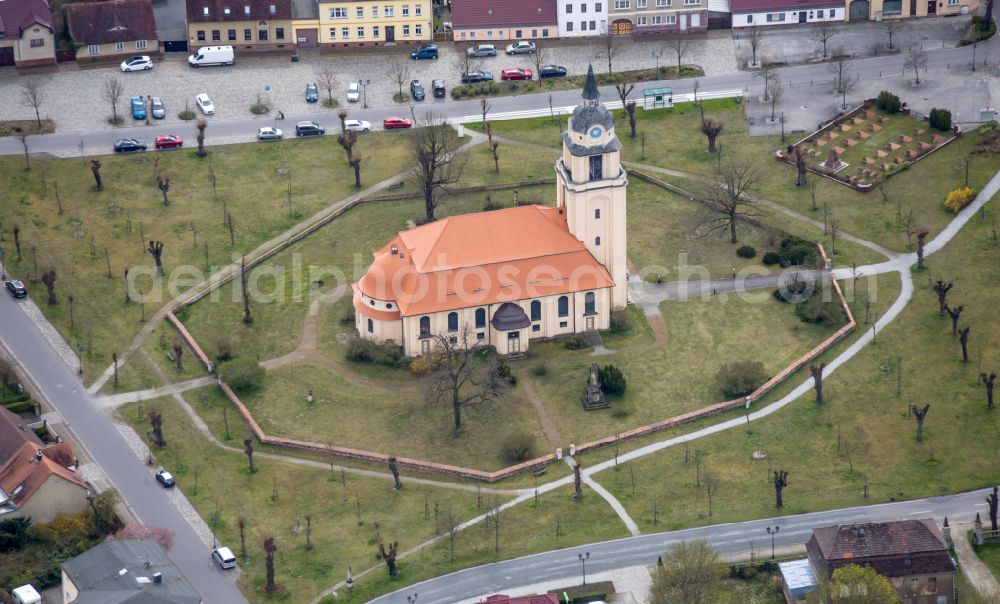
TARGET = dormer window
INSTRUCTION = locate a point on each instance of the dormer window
(204, 11)
(274, 9)
(246, 9)
(225, 10)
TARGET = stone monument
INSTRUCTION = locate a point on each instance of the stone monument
(833, 162)
(593, 398)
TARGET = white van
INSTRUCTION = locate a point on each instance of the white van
(224, 557)
(212, 55)
(26, 594)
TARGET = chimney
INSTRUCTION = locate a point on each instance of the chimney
(394, 249)
(157, 578)
(38, 456)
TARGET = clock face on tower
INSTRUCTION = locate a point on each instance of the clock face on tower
(596, 132)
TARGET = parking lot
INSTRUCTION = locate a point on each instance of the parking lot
(73, 97)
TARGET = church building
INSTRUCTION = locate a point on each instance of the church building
(509, 276)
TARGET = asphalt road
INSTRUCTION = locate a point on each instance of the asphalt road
(563, 565)
(242, 130)
(55, 383)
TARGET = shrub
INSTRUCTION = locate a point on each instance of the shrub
(621, 321)
(612, 380)
(888, 102)
(223, 342)
(576, 341)
(500, 371)
(540, 370)
(426, 363)
(940, 119)
(361, 350)
(772, 258)
(958, 199)
(14, 534)
(518, 446)
(740, 378)
(746, 251)
(795, 251)
(793, 292)
(242, 375)
(817, 309)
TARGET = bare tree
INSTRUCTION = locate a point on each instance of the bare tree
(627, 104)
(817, 374)
(775, 92)
(389, 557)
(711, 488)
(921, 242)
(916, 60)
(800, 168)
(15, 228)
(201, 125)
(156, 249)
(495, 517)
(452, 522)
(987, 381)
(156, 423)
(309, 522)
(613, 45)
(493, 147)
(755, 36)
(33, 96)
(342, 116)
(780, 481)
(963, 339)
(179, 356)
(679, 46)
(163, 184)
(892, 27)
(326, 74)
(112, 91)
(941, 290)
(467, 63)
(22, 135)
(843, 81)
(711, 128)
(269, 548)
(241, 523)
(920, 414)
(954, 313)
(434, 147)
(766, 72)
(394, 469)
(540, 57)
(49, 279)
(247, 317)
(399, 73)
(910, 226)
(463, 380)
(822, 33)
(727, 195)
(994, 502)
(95, 167)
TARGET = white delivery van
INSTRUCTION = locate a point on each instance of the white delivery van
(212, 55)
(224, 557)
(26, 594)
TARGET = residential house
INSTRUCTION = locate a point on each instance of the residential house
(860, 10)
(26, 34)
(374, 22)
(254, 25)
(491, 21)
(112, 30)
(912, 554)
(36, 480)
(747, 13)
(506, 277)
(130, 571)
(582, 18)
(650, 17)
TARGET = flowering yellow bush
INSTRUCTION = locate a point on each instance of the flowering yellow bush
(959, 198)
(426, 363)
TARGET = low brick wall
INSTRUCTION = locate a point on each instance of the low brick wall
(460, 191)
(191, 342)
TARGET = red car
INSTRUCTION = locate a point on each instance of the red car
(169, 140)
(516, 73)
(396, 122)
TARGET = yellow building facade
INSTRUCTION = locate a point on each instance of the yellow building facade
(375, 22)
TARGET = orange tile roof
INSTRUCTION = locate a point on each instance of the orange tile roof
(483, 258)
(374, 313)
(25, 471)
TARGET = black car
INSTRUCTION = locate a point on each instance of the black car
(474, 77)
(551, 71)
(438, 87)
(129, 144)
(417, 90)
(16, 288)
(312, 92)
(309, 129)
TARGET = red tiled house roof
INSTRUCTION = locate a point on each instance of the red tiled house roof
(893, 549)
(468, 14)
(18, 15)
(111, 22)
(260, 10)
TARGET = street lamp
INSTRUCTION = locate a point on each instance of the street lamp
(656, 54)
(583, 564)
(773, 533)
(364, 92)
(746, 408)
(974, 56)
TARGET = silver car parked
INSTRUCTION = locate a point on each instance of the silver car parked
(158, 110)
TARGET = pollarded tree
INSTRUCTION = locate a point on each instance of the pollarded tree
(800, 168)
(954, 313)
(201, 125)
(435, 149)
(156, 423)
(920, 413)
(692, 572)
(269, 548)
(921, 242)
(95, 167)
(728, 194)
(711, 128)
(994, 502)
(163, 184)
(49, 279)
(389, 557)
(941, 289)
(987, 381)
(817, 374)
(780, 481)
(463, 380)
(963, 339)
(156, 249)
(248, 449)
(628, 105)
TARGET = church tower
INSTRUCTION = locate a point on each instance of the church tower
(591, 185)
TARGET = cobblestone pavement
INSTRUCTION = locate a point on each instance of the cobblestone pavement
(74, 97)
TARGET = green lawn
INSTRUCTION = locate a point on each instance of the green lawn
(864, 410)
(341, 537)
(249, 182)
(989, 553)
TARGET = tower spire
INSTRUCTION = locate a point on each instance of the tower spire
(591, 95)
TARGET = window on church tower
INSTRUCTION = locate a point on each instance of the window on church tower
(536, 310)
(563, 306)
(371, 326)
(453, 321)
(597, 213)
(596, 162)
(480, 318)
(597, 241)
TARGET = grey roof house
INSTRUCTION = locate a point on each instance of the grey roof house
(125, 572)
